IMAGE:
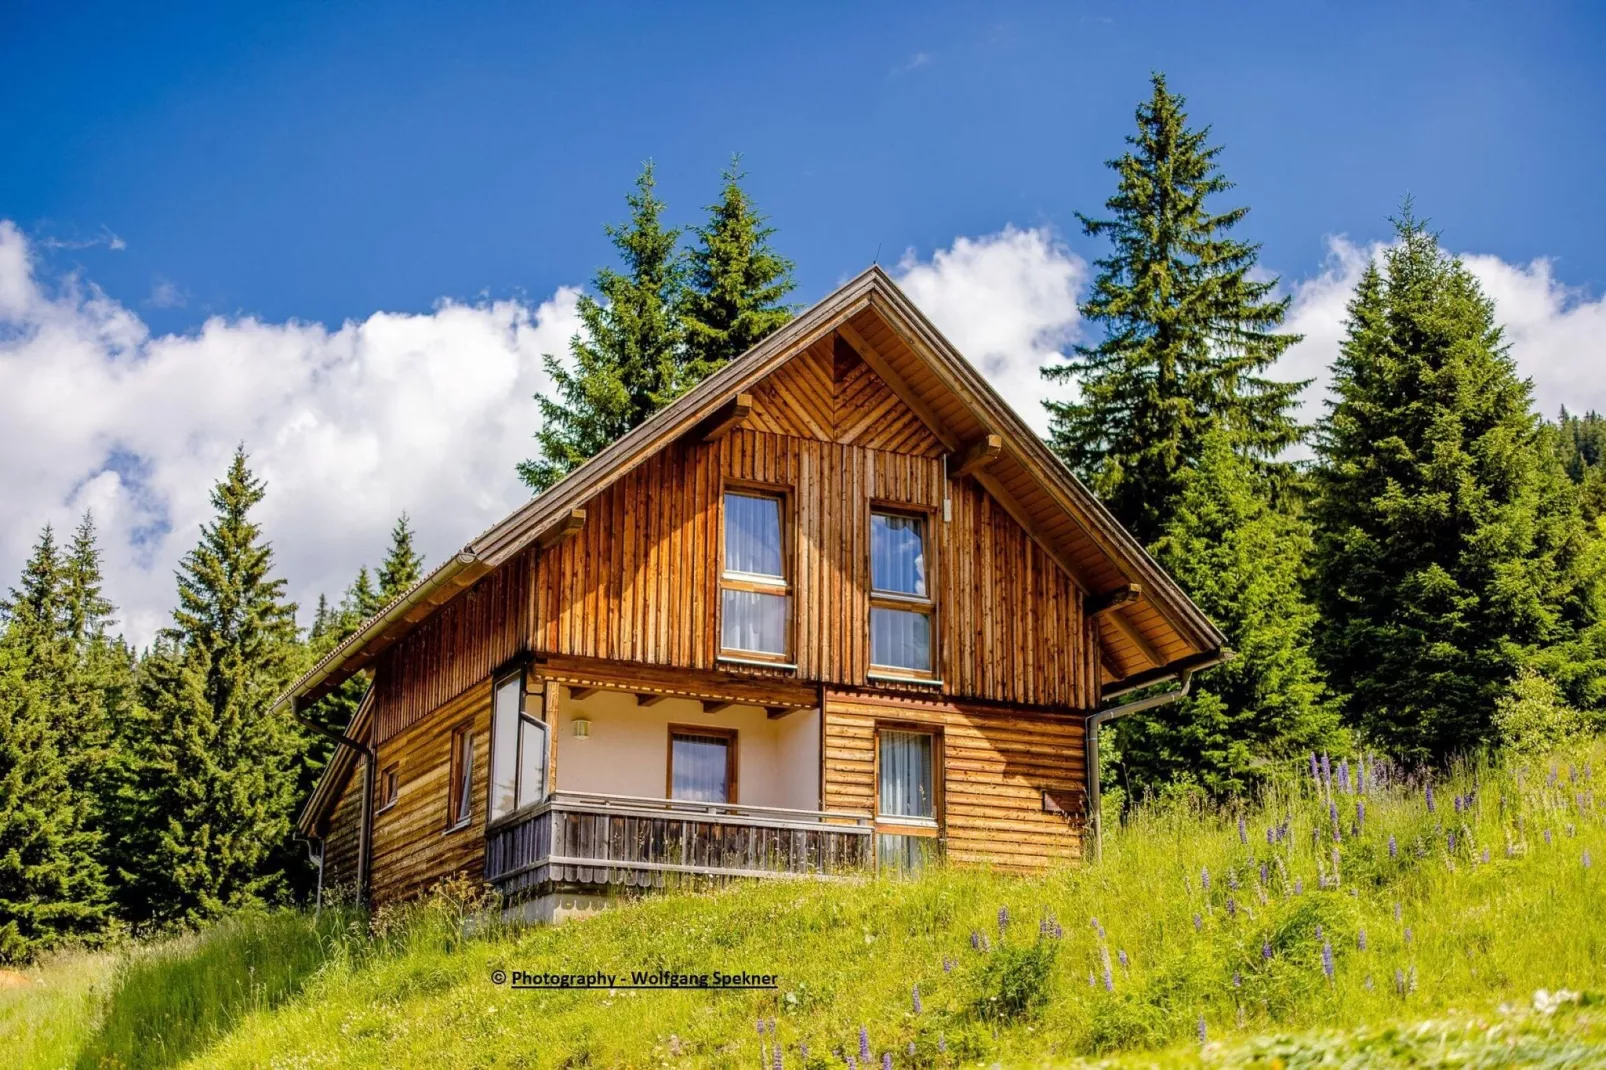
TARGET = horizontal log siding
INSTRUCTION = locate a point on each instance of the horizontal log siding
(996, 765)
(412, 849)
(454, 649)
(341, 841)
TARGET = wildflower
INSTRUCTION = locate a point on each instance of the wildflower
(1318, 930)
(1511, 850)
(1457, 804)
(852, 1063)
(975, 940)
(1204, 879)
(1572, 774)
(1343, 776)
(1360, 777)
(1399, 981)
(1109, 979)
(1243, 833)
(947, 964)
(1263, 873)
(1396, 912)
(1271, 835)
(1486, 856)
(761, 1027)
(1451, 839)
(1315, 774)
(1120, 956)
(1360, 815)
(1237, 979)
(1265, 950)
(1394, 846)
(1327, 959)
(1198, 924)
(1360, 939)
(1408, 934)
(1429, 795)
(1232, 880)
(916, 999)
(1059, 933)
(1586, 857)
(1098, 928)
(886, 1060)
(803, 1051)
(1003, 918)
(1232, 907)
(1299, 886)
(1547, 836)
(778, 1063)
(1202, 1033)
(864, 1043)
(1327, 771)
(772, 1027)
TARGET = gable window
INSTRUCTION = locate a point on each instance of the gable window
(906, 798)
(389, 788)
(519, 748)
(459, 800)
(702, 764)
(901, 608)
(755, 595)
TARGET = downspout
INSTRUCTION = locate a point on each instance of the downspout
(365, 829)
(1090, 740)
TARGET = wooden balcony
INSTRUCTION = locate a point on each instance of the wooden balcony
(578, 840)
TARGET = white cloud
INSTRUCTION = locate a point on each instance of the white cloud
(1008, 302)
(1557, 334)
(349, 427)
(913, 63)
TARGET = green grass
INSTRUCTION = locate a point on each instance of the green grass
(1474, 941)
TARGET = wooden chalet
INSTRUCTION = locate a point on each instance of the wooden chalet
(835, 609)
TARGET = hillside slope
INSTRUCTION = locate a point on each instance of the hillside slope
(1420, 933)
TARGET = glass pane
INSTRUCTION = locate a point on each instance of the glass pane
(753, 621)
(532, 761)
(753, 535)
(465, 774)
(906, 784)
(504, 746)
(700, 768)
(898, 553)
(904, 854)
(900, 639)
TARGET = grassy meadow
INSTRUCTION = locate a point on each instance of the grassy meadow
(1336, 921)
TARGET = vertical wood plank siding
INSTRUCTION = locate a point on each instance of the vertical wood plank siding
(412, 848)
(997, 762)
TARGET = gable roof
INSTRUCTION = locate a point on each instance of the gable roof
(1154, 629)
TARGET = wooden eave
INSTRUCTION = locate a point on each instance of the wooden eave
(336, 772)
(873, 316)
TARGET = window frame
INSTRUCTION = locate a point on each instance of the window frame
(898, 601)
(732, 766)
(521, 715)
(456, 791)
(756, 583)
(897, 825)
(389, 787)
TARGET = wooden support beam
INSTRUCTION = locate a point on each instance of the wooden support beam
(578, 693)
(649, 698)
(725, 419)
(777, 712)
(567, 525)
(1111, 600)
(868, 354)
(976, 456)
(1135, 637)
(713, 706)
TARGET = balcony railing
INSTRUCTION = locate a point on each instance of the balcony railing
(575, 839)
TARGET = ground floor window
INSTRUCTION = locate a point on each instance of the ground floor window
(907, 760)
(460, 799)
(702, 764)
(519, 748)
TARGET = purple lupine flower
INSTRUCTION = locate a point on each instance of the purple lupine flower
(1360, 939)
(1451, 839)
(1456, 802)
(1399, 981)
(1394, 846)
(1003, 918)
(1265, 950)
(1343, 776)
(1572, 774)
(942, 1044)
(1327, 771)
(864, 1043)
(778, 1063)
(1271, 835)
(853, 1064)
(1360, 815)
(1327, 959)
(975, 940)
(1551, 782)
(1486, 856)
(1104, 960)
(1315, 773)
(1237, 979)
(947, 964)
(761, 1027)
(1511, 849)
(1204, 879)
(1428, 792)
(1243, 831)
(1408, 934)
(916, 999)
(1547, 836)
(1332, 811)
(1264, 873)
(1198, 924)
(1232, 880)
(772, 1027)
(1098, 928)
(886, 1060)
(1299, 886)
(1318, 930)
(1232, 907)
(803, 1051)
(1203, 1034)
(1120, 956)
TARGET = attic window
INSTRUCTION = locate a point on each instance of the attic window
(901, 607)
(755, 593)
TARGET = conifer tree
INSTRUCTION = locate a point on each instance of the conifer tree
(215, 776)
(627, 358)
(403, 564)
(1189, 330)
(737, 284)
(1450, 549)
(1244, 564)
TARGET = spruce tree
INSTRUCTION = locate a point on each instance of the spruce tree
(737, 284)
(627, 359)
(403, 564)
(1450, 549)
(1244, 563)
(215, 769)
(1189, 330)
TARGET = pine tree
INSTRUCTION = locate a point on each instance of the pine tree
(627, 359)
(1244, 564)
(1450, 549)
(403, 564)
(1189, 331)
(215, 772)
(737, 284)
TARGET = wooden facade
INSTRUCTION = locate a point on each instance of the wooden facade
(613, 580)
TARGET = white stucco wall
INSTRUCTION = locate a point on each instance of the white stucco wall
(778, 762)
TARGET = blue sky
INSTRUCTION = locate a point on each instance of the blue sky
(321, 161)
(344, 234)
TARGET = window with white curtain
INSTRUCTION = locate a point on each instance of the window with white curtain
(901, 607)
(906, 798)
(755, 596)
(519, 750)
(702, 765)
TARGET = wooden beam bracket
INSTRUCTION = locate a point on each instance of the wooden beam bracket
(1112, 600)
(713, 706)
(578, 693)
(565, 526)
(649, 698)
(976, 456)
(725, 419)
